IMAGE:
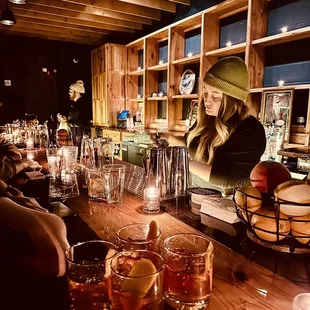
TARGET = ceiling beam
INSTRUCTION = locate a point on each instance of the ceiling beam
(58, 4)
(126, 8)
(61, 25)
(154, 4)
(50, 35)
(26, 22)
(74, 21)
(107, 23)
(185, 2)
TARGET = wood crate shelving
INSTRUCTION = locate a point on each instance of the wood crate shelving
(108, 83)
(208, 24)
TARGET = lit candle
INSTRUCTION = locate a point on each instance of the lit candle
(29, 144)
(151, 200)
(30, 155)
(284, 29)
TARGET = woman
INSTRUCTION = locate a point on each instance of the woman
(225, 142)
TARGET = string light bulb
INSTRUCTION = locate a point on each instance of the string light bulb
(284, 29)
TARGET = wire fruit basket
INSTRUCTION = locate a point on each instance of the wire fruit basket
(277, 224)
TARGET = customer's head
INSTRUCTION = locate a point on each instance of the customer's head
(221, 104)
(76, 89)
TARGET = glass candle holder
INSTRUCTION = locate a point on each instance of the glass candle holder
(29, 144)
(151, 200)
(301, 302)
(32, 154)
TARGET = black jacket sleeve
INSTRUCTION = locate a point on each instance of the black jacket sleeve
(237, 157)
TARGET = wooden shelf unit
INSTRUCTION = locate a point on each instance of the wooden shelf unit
(285, 37)
(227, 51)
(208, 22)
(159, 67)
(136, 72)
(187, 60)
(189, 96)
(156, 98)
(108, 83)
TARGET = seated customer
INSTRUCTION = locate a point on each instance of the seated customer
(33, 241)
(11, 161)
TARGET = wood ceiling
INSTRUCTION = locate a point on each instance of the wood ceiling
(85, 21)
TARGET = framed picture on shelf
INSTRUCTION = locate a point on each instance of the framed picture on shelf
(277, 109)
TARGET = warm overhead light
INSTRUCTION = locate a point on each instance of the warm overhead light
(7, 17)
(228, 44)
(281, 83)
(284, 29)
(18, 1)
(44, 69)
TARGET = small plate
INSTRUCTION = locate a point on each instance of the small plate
(187, 82)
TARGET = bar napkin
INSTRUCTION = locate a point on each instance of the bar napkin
(222, 208)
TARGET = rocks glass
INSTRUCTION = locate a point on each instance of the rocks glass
(95, 182)
(188, 271)
(89, 273)
(137, 281)
(114, 179)
(136, 237)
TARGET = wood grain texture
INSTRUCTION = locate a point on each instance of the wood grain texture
(85, 9)
(280, 38)
(259, 288)
(49, 12)
(154, 4)
(151, 53)
(126, 8)
(256, 28)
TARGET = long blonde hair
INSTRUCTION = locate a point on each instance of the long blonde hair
(214, 131)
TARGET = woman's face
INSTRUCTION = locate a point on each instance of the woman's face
(212, 99)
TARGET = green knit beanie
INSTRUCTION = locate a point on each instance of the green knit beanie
(230, 76)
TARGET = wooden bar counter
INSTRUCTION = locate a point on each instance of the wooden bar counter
(237, 282)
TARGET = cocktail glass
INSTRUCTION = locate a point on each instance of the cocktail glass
(137, 281)
(188, 271)
(89, 274)
(137, 237)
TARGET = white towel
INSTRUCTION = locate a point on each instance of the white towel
(220, 208)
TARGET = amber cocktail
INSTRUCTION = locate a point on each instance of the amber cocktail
(89, 275)
(137, 281)
(138, 237)
(188, 271)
